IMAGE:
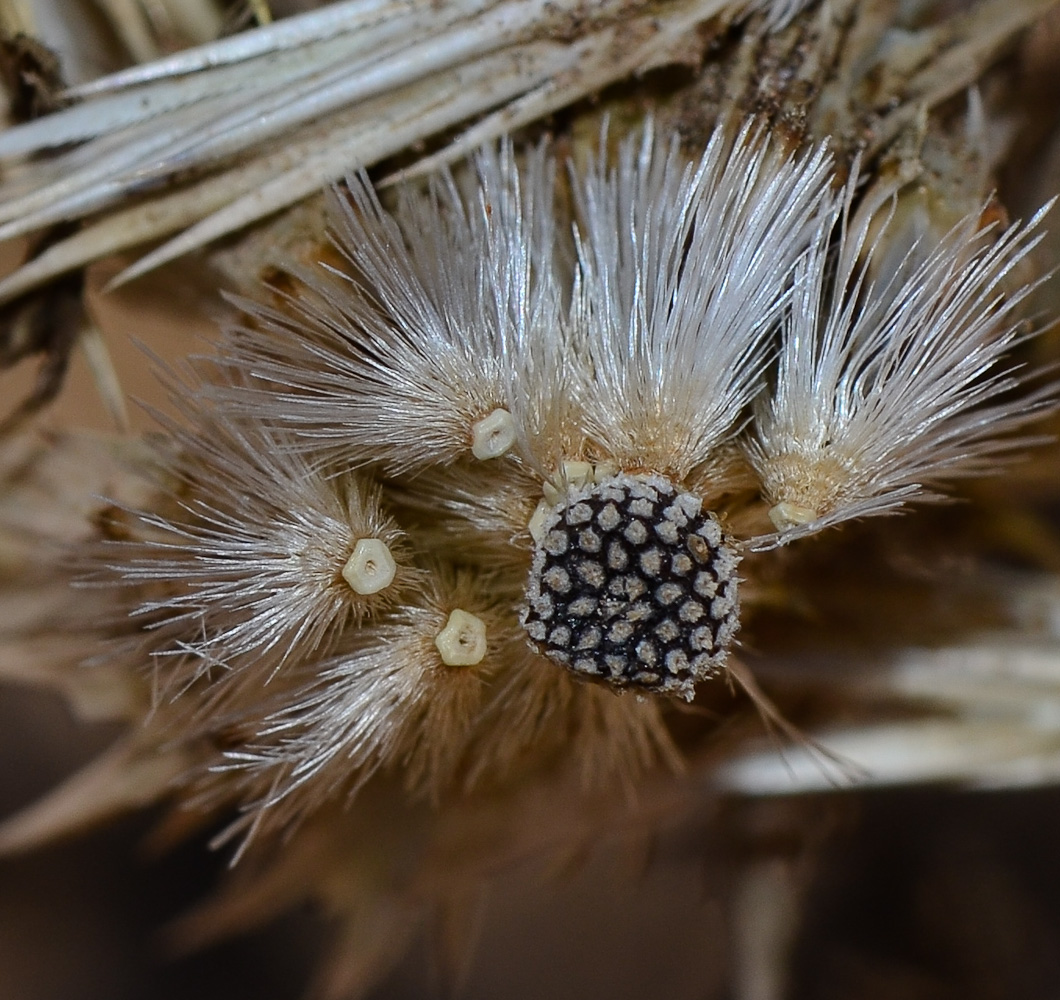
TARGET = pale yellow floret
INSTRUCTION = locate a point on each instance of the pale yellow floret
(371, 568)
(537, 520)
(804, 485)
(462, 643)
(604, 470)
(572, 473)
(789, 515)
(493, 435)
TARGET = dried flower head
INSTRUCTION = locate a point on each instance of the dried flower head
(418, 500)
(256, 557)
(889, 382)
(466, 511)
(577, 378)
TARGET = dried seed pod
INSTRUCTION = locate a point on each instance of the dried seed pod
(633, 583)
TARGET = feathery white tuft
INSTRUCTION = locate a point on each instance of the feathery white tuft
(394, 704)
(886, 387)
(641, 345)
(683, 273)
(245, 568)
(390, 702)
(451, 312)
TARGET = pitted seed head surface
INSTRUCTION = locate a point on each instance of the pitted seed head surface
(635, 585)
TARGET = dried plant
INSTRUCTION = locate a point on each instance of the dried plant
(502, 514)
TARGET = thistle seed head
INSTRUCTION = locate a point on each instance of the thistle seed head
(634, 584)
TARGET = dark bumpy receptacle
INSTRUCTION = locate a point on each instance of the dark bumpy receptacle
(634, 584)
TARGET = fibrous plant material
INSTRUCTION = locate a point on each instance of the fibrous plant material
(467, 505)
(876, 429)
(321, 82)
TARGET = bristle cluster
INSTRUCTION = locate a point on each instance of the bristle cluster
(634, 584)
(885, 389)
(510, 446)
(258, 560)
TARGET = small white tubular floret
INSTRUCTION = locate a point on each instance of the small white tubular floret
(786, 516)
(683, 272)
(493, 435)
(371, 567)
(883, 390)
(462, 643)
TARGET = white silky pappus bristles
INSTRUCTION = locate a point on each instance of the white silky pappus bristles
(641, 344)
(449, 315)
(393, 701)
(250, 564)
(885, 388)
(683, 271)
